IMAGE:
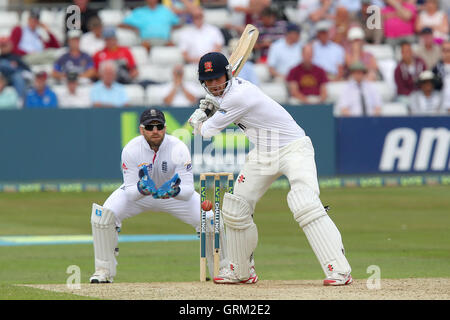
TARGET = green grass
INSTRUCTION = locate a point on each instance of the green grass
(405, 231)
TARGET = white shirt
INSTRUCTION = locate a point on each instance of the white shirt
(90, 44)
(172, 157)
(284, 57)
(351, 98)
(30, 41)
(80, 99)
(237, 18)
(199, 41)
(180, 99)
(329, 56)
(264, 121)
(422, 105)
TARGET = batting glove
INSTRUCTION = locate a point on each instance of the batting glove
(145, 185)
(209, 105)
(196, 119)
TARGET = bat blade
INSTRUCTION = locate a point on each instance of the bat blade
(243, 49)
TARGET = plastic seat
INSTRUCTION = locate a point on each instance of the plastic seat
(166, 55)
(275, 90)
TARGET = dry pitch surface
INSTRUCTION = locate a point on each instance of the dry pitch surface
(391, 289)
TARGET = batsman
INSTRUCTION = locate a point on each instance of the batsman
(157, 176)
(281, 147)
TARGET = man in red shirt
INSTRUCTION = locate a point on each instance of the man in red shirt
(307, 81)
(127, 70)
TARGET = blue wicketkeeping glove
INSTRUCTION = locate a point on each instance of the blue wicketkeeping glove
(169, 189)
(145, 185)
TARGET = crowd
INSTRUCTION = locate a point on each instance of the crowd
(321, 42)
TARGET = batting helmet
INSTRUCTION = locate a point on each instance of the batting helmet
(212, 66)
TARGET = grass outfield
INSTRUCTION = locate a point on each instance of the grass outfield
(405, 231)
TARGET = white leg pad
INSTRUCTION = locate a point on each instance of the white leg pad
(242, 234)
(322, 234)
(105, 238)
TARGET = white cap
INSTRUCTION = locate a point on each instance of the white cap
(426, 75)
(74, 33)
(323, 25)
(355, 33)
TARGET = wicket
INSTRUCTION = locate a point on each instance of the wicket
(216, 254)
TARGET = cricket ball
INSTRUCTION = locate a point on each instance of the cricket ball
(206, 205)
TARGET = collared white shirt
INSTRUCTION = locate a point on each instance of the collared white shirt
(351, 98)
(423, 105)
(329, 56)
(283, 57)
(199, 41)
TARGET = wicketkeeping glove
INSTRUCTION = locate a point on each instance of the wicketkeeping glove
(169, 189)
(145, 185)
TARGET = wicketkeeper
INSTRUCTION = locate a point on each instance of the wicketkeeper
(281, 148)
(157, 176)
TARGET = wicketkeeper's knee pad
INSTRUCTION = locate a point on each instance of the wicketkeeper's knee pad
(242, 234)
(105, 238)
(305, 205)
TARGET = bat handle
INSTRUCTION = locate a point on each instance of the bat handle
(208, 112)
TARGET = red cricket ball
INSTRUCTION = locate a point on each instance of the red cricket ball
(207, 205)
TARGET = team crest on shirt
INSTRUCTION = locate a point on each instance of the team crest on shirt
(208, 66)
(164, 166)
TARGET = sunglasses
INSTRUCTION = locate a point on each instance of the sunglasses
(149, 127)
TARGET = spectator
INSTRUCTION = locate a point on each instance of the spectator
(407, 72)
(285, 53)
(435, 19)
(248, 71)
(327, 54)
(360, 97)
(127, 70)
(34, 41)
(340, 27)
(182, 8)
(152, 22)
(307, 82)
(351, 6)
(8, 96)
(426, 100)
(355, 53)
(86, 14)
(399, 17)
(41, 96)
(74, 60)
(180, 93)
(242, 12)
(200, 38)
(92, 41)
(270, 29)
(107, 93)
(428, 50)
(372, 35)
(313, 11)
(442, 68)
(74, 96)
(13, 68)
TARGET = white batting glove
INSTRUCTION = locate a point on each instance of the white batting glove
(196, 119)
(209, 105)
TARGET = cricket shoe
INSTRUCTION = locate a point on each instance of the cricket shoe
(227, 275)
(101, 276)
(338, 279)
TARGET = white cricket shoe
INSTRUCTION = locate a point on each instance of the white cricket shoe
(101, 276)
(228, 276)
(338, 279)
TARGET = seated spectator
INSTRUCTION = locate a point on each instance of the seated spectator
(442, 69)
(313, 11)
(327, 54)
(307, 82)
(107, 93)
(127, 70)
(435, 19)
(355, 53)
(182, 8)
(285, 53)
(372, 35)
(407, 72)
(152, 22)
(351, 6)
(200, 38)
(360, 97)
(13, 68)
(8, 96)
(74, 96)
(270, 29)
(34, 40)
(74, 61)
(180, 93)
(340, 27)
(86, 13)
(92, 41)
(41, 96)
(428, 50)
(426, 100)
(242, 12)
(398, 18)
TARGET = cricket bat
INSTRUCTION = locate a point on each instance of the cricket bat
(243, 49)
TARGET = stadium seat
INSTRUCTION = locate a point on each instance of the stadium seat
(153, 95)
(394, 109)
(262, 72)
(127, 38)
(175, 35)
(166, 55)
(217, 17)
(140, 55)
(8, 19)
(190, 72)
(111, 17)
(387, 92)
(156, 73)
(380, 51)
(275, 90)
(5, 31)
(387, 68)
(334, 90)
(136, 94)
